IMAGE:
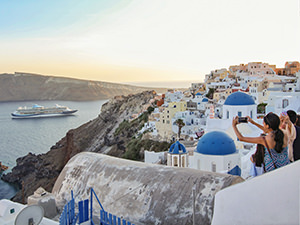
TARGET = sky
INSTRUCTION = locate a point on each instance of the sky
(145, 41)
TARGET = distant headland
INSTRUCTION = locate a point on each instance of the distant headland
(22, 86)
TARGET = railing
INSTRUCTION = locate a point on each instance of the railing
(68, 216)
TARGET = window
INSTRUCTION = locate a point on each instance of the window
(227, 114)
(239, 113)
(175, 161)
(228, 166)
(251, 114)
(213, 167)
(183, 161)
(285, 103)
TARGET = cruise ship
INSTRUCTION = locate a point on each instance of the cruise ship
(41, 111)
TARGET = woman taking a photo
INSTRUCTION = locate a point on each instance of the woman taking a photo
(275, 142)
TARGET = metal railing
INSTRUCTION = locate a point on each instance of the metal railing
(85, 213)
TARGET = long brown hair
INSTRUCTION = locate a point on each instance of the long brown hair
(273, 121)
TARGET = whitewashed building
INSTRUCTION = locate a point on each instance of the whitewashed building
(216, 152)
(193, 122)
(175, 96)
(283, 101)
(239, 104)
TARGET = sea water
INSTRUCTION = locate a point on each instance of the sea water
(18, 137)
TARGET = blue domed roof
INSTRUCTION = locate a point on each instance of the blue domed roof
(177, 148)
(198, 94)
(239, 98)
(205, 100)
(216, 143)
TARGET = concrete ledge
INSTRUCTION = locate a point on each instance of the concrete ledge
(272, 198)
(142, 193)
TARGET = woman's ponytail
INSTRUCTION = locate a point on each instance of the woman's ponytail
(279, 136)
(273, 121)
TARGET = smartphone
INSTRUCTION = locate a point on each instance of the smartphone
(284, 114)
(243, 120)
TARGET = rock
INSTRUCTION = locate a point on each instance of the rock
(98, 135)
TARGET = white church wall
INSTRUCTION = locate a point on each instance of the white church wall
(153, 157)
(272, 198)
(217, 124)
(221, 162)
(230, 111)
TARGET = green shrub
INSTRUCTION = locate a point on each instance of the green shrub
(123, 126)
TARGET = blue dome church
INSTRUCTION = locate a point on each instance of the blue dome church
(239, 104)
(216, 152)
(177, 155)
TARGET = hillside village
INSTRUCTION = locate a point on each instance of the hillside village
(272, 90)
(252, 89)
(202, 155)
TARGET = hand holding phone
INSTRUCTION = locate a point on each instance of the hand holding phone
(243, 120)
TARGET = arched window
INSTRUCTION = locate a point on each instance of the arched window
(175, 161)
(285, 103)
(227, 114)
(183, 161)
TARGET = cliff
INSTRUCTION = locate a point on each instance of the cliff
(25, 86)
(105, 134)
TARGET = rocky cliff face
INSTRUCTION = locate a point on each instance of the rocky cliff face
(98, 135)
(25, 86)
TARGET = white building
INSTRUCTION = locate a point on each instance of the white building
(239, 104)
(149, 126)
(219, 85)
(283, 101)
(154, 157)
(193, 123)
(175, 96)
(201, 101)
(216, 152)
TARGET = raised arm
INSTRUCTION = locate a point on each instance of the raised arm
(250, 120)
(255, 140)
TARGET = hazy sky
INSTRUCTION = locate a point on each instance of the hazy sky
(145, 40)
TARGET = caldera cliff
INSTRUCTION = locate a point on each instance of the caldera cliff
(113, 132)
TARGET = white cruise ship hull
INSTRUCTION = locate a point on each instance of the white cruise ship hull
(40, 111)
(16, 115)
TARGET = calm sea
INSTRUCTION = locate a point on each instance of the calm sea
(18, 137)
